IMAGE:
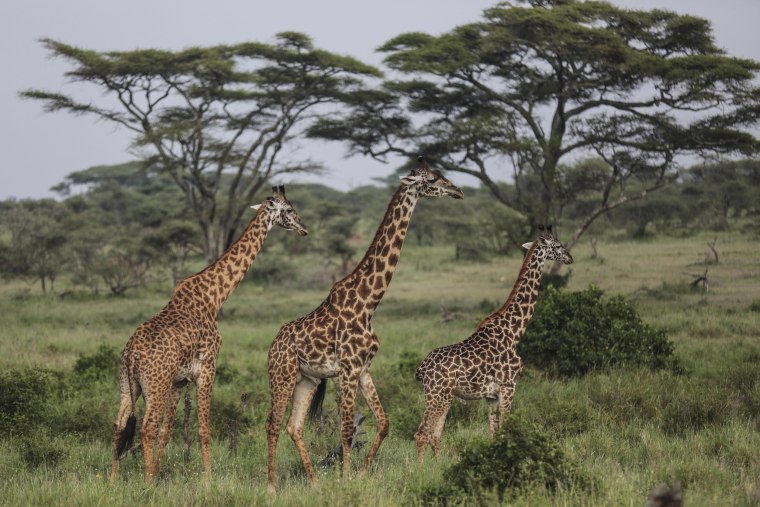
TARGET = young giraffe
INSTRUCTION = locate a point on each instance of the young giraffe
(486, 364)
(337, 340)
(181, 342)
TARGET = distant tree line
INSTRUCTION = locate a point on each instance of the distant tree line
(125, 226)
(583, 106)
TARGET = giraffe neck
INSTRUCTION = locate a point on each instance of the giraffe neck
(372, 276)
(516, 312)
(219, 279)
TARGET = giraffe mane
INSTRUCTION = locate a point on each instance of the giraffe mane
(520, 275)
(378, 234)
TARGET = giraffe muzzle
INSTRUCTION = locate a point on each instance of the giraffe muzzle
(455, 192)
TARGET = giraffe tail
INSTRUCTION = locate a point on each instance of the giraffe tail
(315, 409)
(127, 436)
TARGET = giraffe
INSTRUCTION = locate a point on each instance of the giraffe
(337, 339)
(486, 364)
(180, 343)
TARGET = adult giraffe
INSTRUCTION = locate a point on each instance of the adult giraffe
(180, 343)
(486, 364)
(337, 340)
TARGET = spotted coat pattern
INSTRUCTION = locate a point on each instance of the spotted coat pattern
(181, 342)
(337, 339)
(485, 365)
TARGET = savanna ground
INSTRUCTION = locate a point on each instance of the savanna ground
(628, 430)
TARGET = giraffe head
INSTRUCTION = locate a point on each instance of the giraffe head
(430, 183)
(281, 212)
(549, 246)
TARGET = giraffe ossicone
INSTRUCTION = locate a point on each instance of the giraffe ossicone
(181, 342)
(486, 364)
(337, 338)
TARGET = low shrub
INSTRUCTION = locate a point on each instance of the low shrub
(520, 457)
(226, 374)
(24, 395)
(88, 415)
(400, 391)
(102, 365)
(573, 333)
(407, 364)
(229, 417)
(36, 452)
(556, 280)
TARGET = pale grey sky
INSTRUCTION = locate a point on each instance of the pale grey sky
(39, 149)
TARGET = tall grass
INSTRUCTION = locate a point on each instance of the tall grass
(628, 430)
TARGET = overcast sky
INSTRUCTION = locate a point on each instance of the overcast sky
(40, 149)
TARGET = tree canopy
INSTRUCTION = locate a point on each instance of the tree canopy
(533, 90)
(217, 119)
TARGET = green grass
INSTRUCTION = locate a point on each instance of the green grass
(628, 430)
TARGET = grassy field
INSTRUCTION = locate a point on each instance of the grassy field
(629, 430)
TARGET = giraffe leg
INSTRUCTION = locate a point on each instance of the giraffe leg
(370, 395)
(421, 438)
(283, 370)
(438, 420)
(349, 382)
(507, 390)
(170, 409)
(506, 395)
(437, 403)
(304, 392)
(493, 414)
(154, 404)
(205, 384)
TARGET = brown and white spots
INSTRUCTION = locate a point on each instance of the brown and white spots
(180, 344)
(486, 364)
(340, 332)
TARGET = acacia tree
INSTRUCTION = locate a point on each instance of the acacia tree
(215, 119)
(532, 89)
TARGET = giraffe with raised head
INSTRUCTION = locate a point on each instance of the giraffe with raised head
(337, 339)
(180, 343)
(486, 364)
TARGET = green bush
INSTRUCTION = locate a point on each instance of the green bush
(228, 416)
(86, 414)
(36, 452)
(24, 396)
(520, 457)
(556, 280)
(574, 333)
(102, 365)
(407, 364)
(401, 393)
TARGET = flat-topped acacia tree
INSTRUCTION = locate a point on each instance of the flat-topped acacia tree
(530, 91)
(215, 119)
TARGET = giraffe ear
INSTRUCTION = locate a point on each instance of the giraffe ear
(527, 245)
(256, 206)
(410, 179)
